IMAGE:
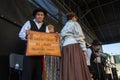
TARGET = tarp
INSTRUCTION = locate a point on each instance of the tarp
(16, 10)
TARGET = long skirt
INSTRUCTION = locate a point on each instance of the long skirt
(73, 63)
(52, 68)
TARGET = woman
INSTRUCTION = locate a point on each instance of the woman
(73, 64)
(51, 62)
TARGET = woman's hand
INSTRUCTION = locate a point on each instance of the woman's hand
(84, 52)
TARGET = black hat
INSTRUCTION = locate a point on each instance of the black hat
(39, 10)
(96, 42)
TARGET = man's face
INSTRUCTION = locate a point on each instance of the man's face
(96, 47)
(39, 17)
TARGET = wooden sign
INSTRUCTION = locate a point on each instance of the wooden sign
(40, 44)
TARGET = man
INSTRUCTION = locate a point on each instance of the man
(32, 66)
(93, 60)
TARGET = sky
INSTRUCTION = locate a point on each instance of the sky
(112, 49)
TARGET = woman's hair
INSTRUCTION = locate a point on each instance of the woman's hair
(70, 15)
(50, 26)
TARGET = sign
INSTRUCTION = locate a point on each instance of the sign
(41, 44)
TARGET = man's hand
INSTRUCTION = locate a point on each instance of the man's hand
(27, 33)
(97, 54)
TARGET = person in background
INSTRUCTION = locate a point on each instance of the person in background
(88, 56)
(73, 62)
(93, 60)
(32, 65)
(51, 62)
(51, 28)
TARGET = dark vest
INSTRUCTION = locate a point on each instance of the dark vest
(35, 28)
(93, 56)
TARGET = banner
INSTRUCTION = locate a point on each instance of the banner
(40, 43)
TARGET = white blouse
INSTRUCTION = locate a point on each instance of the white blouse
(27, 26)
(88, 56)
(71, 34)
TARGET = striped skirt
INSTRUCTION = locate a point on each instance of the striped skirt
(52, 68)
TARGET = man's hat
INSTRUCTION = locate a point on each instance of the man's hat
(39, 10)
(96, 42)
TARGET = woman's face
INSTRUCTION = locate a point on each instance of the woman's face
(74, 18)
(51, 30)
